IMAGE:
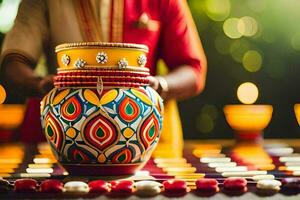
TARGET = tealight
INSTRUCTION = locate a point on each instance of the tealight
(211, 160)
(36, 175)
(231, 169)
(292, 164)
(283, 151)
(35, 166)
(169, 160)
(289, 159)
(263, 177)
(222, 164)
(190, 176)
(39, 170)
(244, 174)
(43, 161)
(167, 165)
(180, 170)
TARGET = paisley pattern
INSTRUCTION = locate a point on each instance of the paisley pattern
(124, 156)
(129, 109)
(71, 109)
(100, 132)
(149, 130)
(53, 131)
(118, 126)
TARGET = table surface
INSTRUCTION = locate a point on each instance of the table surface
(190, 195)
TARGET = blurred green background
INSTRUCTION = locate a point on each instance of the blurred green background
(254, 41)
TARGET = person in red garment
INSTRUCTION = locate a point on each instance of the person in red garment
(165, 26)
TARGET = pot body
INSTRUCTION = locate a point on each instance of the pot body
(112, 132)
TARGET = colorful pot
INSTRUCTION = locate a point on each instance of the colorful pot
(102, 130)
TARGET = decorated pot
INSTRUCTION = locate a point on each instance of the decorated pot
(102, 118)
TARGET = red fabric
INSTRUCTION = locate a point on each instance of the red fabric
(173, 40)
(31, 129)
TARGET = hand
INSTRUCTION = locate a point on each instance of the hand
(46, 84)
(153, 82)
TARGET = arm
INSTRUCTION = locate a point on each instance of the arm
(22, 48)
(182, 51)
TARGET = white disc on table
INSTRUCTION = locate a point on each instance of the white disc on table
(76, 187)
(283, 151)
(268, 184)
(147, 188)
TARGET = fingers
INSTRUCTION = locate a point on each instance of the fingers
(153, 82)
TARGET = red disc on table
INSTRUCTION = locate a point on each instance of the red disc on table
(51, 185)
(207, 184)
(123, 186)
(291, 182)
(235, 183)
(176, 186)
(25, 185)
(98, 186)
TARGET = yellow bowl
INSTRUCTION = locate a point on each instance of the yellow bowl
(297, 112)
(248, 118)
(111, 54)
(11, 116)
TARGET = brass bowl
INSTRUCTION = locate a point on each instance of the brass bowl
(11, 116)
(248, 119)
(297, 112)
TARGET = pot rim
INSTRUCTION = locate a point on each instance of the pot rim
(95, 45)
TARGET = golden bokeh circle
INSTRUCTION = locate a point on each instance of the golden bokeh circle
(247, 93)
(2, 94)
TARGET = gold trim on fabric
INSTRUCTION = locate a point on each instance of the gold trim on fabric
(105, 19)
(117, 21)
(87, 20)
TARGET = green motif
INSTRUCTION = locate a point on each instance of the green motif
(78, 157)
(129, 109)
(122, 157)
(71, 108)
(152, 131)
(100, 133)
(50, 131)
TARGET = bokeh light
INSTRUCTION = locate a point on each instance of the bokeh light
(252, 61)
(295, 41)
(217, 10)
(230, 28)
(205, 123)
(2, 94)
(211, 110)
(247, 93)
(247, 26)
(8, 13)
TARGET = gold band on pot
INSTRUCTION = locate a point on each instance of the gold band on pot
(98, 54)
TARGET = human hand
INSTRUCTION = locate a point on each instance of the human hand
(46, 84)
(153, 82)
